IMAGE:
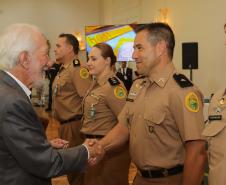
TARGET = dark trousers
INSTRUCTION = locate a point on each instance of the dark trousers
(71, 132)
(170, 180)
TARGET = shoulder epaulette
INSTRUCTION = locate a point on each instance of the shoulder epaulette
(113, 81)
(182, 80)
(140, 77)
(76, 62)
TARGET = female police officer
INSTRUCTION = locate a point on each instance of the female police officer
(101, 106)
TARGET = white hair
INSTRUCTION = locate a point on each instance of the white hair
(15, 39)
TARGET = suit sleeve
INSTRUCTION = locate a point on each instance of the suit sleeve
(24, 136)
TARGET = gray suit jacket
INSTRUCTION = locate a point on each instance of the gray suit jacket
(26, 157)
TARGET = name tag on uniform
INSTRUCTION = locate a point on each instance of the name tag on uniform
(215, 117)
(129, 99)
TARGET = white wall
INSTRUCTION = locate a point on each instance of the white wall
(52, 16)
(192, 21)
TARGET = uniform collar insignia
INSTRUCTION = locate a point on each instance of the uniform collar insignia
(161, 77)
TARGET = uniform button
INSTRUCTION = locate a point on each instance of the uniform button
(151, 129)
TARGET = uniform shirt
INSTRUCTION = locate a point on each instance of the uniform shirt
(160, 121)
(215, 133)
(69, 87)
(102, 105)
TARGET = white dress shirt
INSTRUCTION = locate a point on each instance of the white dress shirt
(24, 87)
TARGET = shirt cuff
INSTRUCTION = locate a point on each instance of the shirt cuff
(87, 150)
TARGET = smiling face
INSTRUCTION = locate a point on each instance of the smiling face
(37, 61)
(145, 54)
(97, 63)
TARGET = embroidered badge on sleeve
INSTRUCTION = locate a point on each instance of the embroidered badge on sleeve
(84, 73)
(191, 102)
(119, 92)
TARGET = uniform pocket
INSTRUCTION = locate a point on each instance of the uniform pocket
(214, 128)
(155, 117)
(153, 122)
(215, 136)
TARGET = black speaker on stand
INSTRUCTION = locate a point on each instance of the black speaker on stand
(190, 56)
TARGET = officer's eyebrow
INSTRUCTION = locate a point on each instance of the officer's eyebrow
(137, 45)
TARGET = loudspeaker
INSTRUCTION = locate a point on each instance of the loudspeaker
(190, 55)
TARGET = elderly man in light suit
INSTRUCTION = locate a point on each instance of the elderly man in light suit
(26, 156)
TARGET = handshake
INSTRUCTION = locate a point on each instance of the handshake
(96, 151)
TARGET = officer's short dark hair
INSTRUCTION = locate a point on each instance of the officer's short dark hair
(159, 31)
(72, 40)
(106, 51)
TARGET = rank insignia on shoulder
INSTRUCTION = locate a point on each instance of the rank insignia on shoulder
(119, 92)
(182, 80)
(76, 62)
(192, 102)
(113, 81)
(84, 73)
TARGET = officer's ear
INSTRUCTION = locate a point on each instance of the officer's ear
(24, 59)
(161, 48)
(108, 60)
(70, 48)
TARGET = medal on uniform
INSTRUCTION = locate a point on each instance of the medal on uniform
(218, 110)
(137, 85)
(221, 103)
(94, 96)
(92, 111)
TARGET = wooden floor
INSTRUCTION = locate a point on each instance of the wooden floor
(52, 132)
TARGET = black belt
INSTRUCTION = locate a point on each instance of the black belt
(75, 118)
(162, 172)
(89, 136)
